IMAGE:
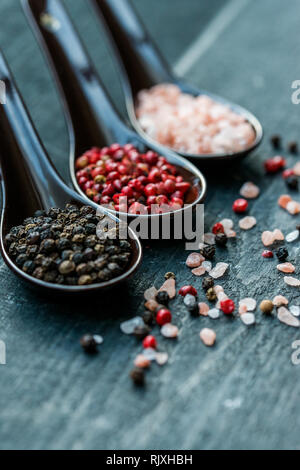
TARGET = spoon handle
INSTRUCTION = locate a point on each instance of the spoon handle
(82, 92)
(141, 59)
(29, 178)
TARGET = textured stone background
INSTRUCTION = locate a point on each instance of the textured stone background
(244, 393)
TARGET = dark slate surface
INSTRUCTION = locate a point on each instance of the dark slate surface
(244, 393)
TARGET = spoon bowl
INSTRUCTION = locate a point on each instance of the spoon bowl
(29, 182)
(91, 116)
(142, 67)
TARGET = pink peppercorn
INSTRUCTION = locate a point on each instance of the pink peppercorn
(150, 342)
(267, 254)
(240, 206)
(163, 316)
(218, 228)
(187, 290)
(227, 306)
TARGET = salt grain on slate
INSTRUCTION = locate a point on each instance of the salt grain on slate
(214, 313)
(199, 271)
(219, 270)
(207, 265)
(151, 305)
(287, 318)
(149, 353)
(203, 309)
(194, 260)
(295, 310)
(227, 224)
(161, 358)
(250, 303)
(209, 238)
(127, 327)
(291, 281)
(286, 268)
(142, 361)
(98, 339)
(242, 308)
(169, 331)
(218, 289)
(190, 301)
(292, 236)
(249, 190)
(150, 293)
(247, 223)
(280, 300)
(248, 319)
(169, 286)
(208, 336)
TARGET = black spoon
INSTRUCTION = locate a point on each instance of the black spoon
(142, 67)
(92, 118)
(30, 182)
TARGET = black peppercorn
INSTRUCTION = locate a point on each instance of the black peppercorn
(163, 298)
(221, 239)
(276, 141)
(77, 258)
(282, 254)
(148, 318)
(141, 332)
(29, 267)
(63, 244)
(21, 259)
(33, 238)
(138, 376)
(293, 147)
(292, 182)
(211, 295)
(208, 251)
(88, 343)
(90, 229)
(48, 245)
(207, 283)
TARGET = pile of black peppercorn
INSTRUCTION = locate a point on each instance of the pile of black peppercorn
(61, 246)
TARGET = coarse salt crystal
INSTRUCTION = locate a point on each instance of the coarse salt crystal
(207, 265)
(199, 271)
(208, 336)
(218, 289)
(248, 319)
(219, 270)
(151, 305)
(169, 286)
(227, 223)
(249, 190)
(194, 260)
(209, 238)
(267, 238)
(214, 313)
(297, 169)
(99, 339)
(286, 268)
(203, 309)
(161, 358)
(142, 361)
(291, 281)
(292, 236)
(242, 308)
(295, 310)
(247, 223)
(280, 300)
(169, 330)
(127, 327)
(284, 200)
(249, 302)
(150, 354)
(278, 235)
(150, 293)
(293, 207)
(287, 318)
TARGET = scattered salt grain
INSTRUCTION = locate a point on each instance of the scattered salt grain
(199, 271)
(283, 200)
(227, 224)
(214, 313)
(203, 309)
(247, 223)
(286, 268)
(99, 340)
(250, 303)
(150, 293)
(170, 287)
(208, 336)
(230, 233)
(248, 319)
(218, 289)
(169, 331)
(242, 308)
(278, 235)
(151, 305)
(150, 354)
(292, 236)
(297, 169)
(295, 310)
(249, 190)
(209, 238)
(161, 358)
(127, 327)
(280, 300)
(293, 207)
(291, 281)
(286, 317)
(207, 265)
(267, 238)
(142, 361)
(219, 270)
(194, 260)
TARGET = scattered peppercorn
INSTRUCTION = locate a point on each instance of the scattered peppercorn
(292, 183)
(148, 318)
(267, 254)
(207, 283)
(276, 141)
(89, 344)
(218, 228)
(287, 173)
(187, 290)
(274, 164)
(141, 332)
(240, 206)
(282, 253)
(170, 275)
(266, 306)
(208, 252)
(211, 295)
(61, 246)
(163, 316)
(150, 342)
(138, 376)
(227, 306)
(163, 297)
(293, 147)
(221, 239)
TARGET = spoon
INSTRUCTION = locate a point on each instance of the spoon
(91, 116)
(29, 182)
(143, 67)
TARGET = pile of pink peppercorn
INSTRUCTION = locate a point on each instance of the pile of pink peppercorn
(126, 180)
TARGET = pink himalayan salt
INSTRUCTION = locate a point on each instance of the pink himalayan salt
(249, 190)
(227, 224)
(170, 287)
(286, 268)
(161, 358)
(247, 223)
(297, 169)
(248, 319)
(151, 305)
(291, 281)
(219, 270)
(267, 238)
(203, 309)
(287, 318)
(284, 200)
(189, 124)
(242, 308)
(207, 265)
(194, 260)
(222, 296)
(169, 331)
(218, 289)
(249, 302)
(230, 233)
(280, 300)
(208, 336)
(293, 207)
(278, 235)
(209, 238)
(199, 271)
(142, 361)
(150, 293)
